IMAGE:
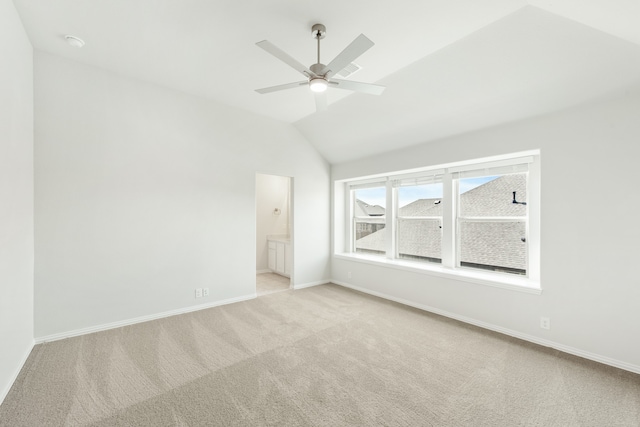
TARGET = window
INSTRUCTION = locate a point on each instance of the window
(458, 218)
(492, 220)
(419, 218)
(369, 218)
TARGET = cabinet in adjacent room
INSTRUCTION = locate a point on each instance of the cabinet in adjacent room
(280, 257)
(272, 255)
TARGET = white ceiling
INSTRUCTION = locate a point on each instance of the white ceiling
(450, 66)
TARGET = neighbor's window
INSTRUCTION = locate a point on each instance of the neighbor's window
(369, 218)
(419, 218)
(461, 216)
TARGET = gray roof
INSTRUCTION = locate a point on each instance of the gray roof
(364, 209)
(372, 242)
(420, 238)
(422, 207)
(482, 238)
(495, 197)
(423, 238)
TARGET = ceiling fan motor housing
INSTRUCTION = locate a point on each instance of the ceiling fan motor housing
(317, 68)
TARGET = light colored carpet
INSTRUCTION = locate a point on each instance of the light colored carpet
(321, 356)
(268, 283)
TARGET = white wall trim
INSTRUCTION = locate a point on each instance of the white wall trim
(133, 321)
(543, 342)
(264, 271)
(14, 377)
(310, 284)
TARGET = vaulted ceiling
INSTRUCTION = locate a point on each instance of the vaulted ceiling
(450, 66)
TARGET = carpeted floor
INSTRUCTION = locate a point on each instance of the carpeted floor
(321, 356)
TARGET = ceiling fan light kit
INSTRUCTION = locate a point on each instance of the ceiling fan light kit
(318, 85)
(319, 76)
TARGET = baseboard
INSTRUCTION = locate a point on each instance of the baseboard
(14, 377)
(526, 337)
(310, 284)
(264, 271)
(133, 321)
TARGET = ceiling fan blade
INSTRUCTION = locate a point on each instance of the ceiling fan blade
(281, 87)
(321, 101)
(357, 86)
(285, 57)
(357, 47)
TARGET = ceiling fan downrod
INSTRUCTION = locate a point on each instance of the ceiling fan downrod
(318, 82)
(318, 31)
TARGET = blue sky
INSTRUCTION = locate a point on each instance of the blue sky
(406, 195)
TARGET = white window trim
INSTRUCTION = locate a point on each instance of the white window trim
(493, 279)
(447, 269)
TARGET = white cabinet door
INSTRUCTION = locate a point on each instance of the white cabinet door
(288, 259)
(272, 256)
(280, 257)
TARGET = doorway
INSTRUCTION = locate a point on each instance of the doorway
(274, 243)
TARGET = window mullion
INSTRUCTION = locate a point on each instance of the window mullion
(448, 220)
(350, 229)
(390, 218)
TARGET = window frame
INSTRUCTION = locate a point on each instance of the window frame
(433, 177)
(450, 265)
(353, 187)
(459, 218)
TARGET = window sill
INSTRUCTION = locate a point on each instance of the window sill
(497, 280)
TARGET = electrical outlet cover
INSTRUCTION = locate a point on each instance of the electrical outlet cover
(545, 323)
(199, 293)
(205, 292)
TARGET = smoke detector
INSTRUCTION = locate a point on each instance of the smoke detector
(74, 41)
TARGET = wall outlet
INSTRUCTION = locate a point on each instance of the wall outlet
(349, 275)
(545, 323)
(198, 292)
(205, 292)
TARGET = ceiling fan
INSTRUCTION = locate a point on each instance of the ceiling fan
(320, 76)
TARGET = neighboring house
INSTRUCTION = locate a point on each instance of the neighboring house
(362, 209)
(420, 238)
(494, 245)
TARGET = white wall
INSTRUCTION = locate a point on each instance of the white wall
(144, 194)
(590, 232)
(272, 192)
(16, 196)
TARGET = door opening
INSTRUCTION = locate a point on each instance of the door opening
(274, 243)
